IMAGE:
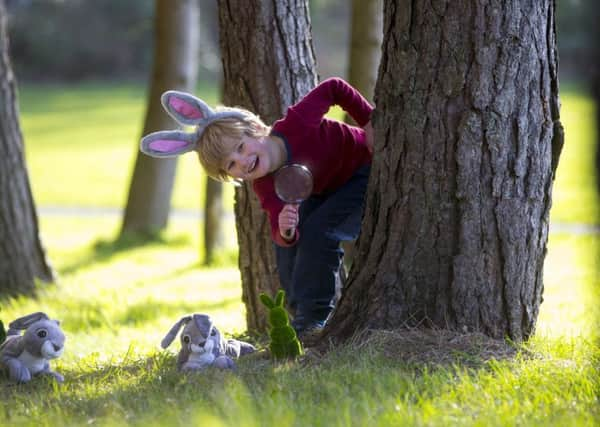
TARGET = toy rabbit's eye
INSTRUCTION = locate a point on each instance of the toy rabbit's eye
(42, 333)
(186, 339)
(213, 333)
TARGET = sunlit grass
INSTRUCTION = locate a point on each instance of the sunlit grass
(116, 301)
(82, 141)
(574, 195)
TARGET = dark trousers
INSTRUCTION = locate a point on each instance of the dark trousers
(308, 270)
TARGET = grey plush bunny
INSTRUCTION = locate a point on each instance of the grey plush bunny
(24, 356)
(202, 344)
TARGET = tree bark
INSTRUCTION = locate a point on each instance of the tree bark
(22, 256)
(468, 137)
(175, 67)
(268, 64)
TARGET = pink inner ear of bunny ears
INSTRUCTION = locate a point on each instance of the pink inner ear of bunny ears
(185, 108)
(167, 145)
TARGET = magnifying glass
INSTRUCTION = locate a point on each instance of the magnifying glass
(293, 184)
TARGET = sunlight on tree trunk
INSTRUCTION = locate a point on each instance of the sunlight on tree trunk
(22, 256)
(467, 137)
(268, 64)
(175, 67)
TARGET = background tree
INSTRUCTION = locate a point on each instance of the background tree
(213, 219)
(213, 205)
(22, 257)
(366, 33)
(268, 64)
(175, 67)
(467, 141)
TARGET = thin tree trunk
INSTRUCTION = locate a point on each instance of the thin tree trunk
(268, 64)
(468, 137)
(213, 211)
(22, 256)
(213, 216)
(366, 34)
(175, 67)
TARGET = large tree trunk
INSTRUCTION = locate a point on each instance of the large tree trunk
(268, 64)
(22, 257)
(175, 67)
(467, 136)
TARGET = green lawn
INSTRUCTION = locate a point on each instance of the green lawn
(117, 300)
(81, 144)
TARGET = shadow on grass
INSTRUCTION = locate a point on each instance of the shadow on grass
(146, 387)
(103, 251)
(150, 388)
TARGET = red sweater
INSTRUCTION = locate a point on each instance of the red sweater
(331, 150)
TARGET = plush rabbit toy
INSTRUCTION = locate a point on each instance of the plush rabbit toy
(24, 356)
(188, 111)
(284, 341)
(202, 344)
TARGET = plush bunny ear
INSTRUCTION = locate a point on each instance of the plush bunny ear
(266, 300)
(24, 322)
(189, 110)
(168, 339)
(168, 143)
(203, 323)
(279, 298)
(186, 108)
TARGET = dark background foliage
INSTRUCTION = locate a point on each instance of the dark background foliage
(67, 40)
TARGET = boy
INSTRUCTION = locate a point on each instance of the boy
(233, 143)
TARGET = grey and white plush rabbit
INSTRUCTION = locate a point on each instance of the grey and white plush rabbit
(27, 355)
(202, 345)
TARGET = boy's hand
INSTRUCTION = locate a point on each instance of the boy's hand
(368, 128)
(288, 221)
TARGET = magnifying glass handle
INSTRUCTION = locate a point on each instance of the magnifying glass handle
(289, 233)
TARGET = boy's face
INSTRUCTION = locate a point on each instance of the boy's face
(248, 160)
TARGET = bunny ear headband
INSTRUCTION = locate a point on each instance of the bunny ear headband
(187, 110)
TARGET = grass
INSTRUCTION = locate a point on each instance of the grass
(116, 301)
(88, 136)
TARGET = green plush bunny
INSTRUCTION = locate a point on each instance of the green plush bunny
(284, 342)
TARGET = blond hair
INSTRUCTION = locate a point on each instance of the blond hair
(221, 136)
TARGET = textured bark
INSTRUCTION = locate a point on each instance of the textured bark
(468, 137)
(175, 67)
(22, 257)
(268, 64)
